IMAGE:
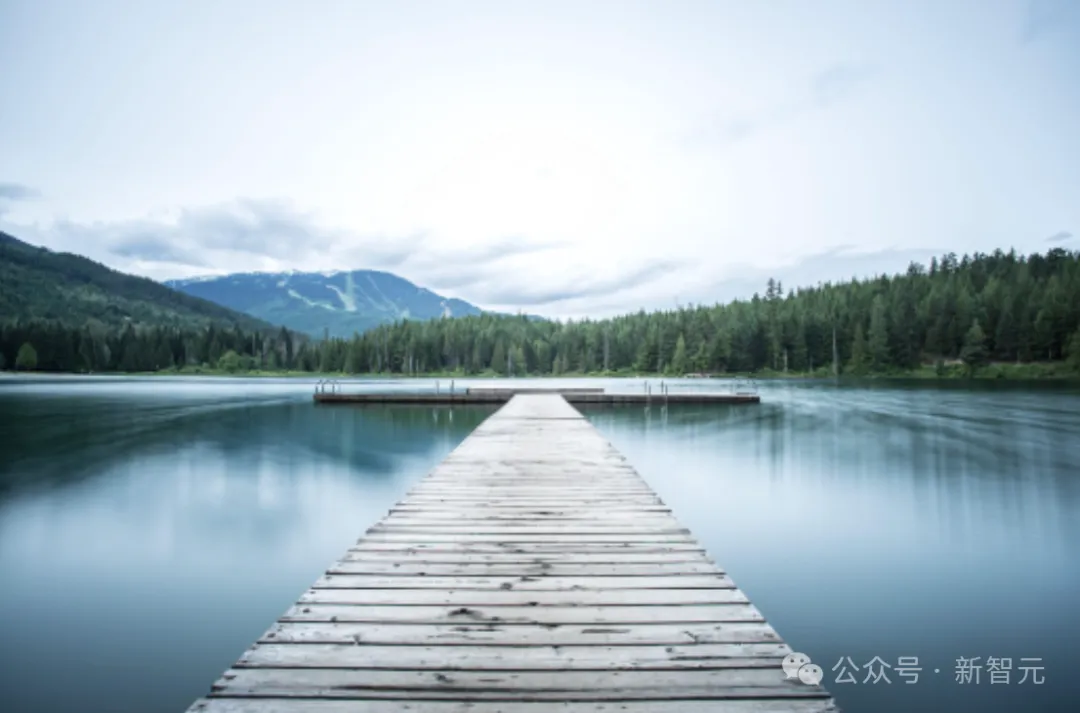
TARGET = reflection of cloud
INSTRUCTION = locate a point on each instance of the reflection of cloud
(829, 86)
(1060, 237)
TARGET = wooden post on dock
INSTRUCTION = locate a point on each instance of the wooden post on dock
(532, 570)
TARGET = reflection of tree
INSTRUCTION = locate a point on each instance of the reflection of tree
(59, 439)
(930, 434)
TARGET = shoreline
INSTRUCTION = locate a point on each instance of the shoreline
(1035, 371)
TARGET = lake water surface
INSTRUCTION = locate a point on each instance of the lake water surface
(151, 529)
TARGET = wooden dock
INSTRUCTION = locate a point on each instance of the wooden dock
(533, 570)
(577, 397)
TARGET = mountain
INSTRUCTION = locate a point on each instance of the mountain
(340, 303)
(39, 284)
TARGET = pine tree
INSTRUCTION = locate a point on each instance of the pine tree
(498, 357)
(878, 340)
(353, 357)
(647, 355)
(1043, 335)
(859, 357)
(974, 353)
(700, 361)
(27, 358)
(517, 355)
(678, 360)
(163, 356)
(1006, 335)
(325, 359)
(1074, 350)
(86, 351)
(720, 350)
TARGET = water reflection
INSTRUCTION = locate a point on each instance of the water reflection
(887, 522)
(57, 439)
(146, 538)
(151, 529)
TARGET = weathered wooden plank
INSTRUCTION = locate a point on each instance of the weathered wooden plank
(501, 459)
(526, 511)
(523, 495)
(556, 488)
(509, 465)
(410, 557)
(535, 522)
(510, 597)
(519, 569)
(531, 549)
(564, 493)
(540, 406)
(504, 467)
(531, 475)
(315, 705)
(513, 657)
(549, 475)
(612, 614)
(529, 685)
(608, 525)
(533, 568)
(555, 496)
(421, 531)
(408, 537)
(523, 582)
(495, 633)
(478, 503)
(524, 483)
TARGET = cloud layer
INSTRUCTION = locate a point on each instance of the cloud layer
(567, 159)
(11, 193)
(273, 235)
(508, 275)
(833, 84)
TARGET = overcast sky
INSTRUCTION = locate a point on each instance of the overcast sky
(564, 158)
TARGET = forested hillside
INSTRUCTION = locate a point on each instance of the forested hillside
(37, 284)
(999, 307)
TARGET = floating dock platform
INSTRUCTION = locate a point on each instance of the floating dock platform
(577, 397)
(533, 570)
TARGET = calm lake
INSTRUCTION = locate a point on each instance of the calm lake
(151, 529)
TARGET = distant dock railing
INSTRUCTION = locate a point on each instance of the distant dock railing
(331, 386)
(330, 392)
(744, 385)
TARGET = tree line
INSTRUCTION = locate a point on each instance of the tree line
(980, 308)
(976, 309)
(55, 347)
